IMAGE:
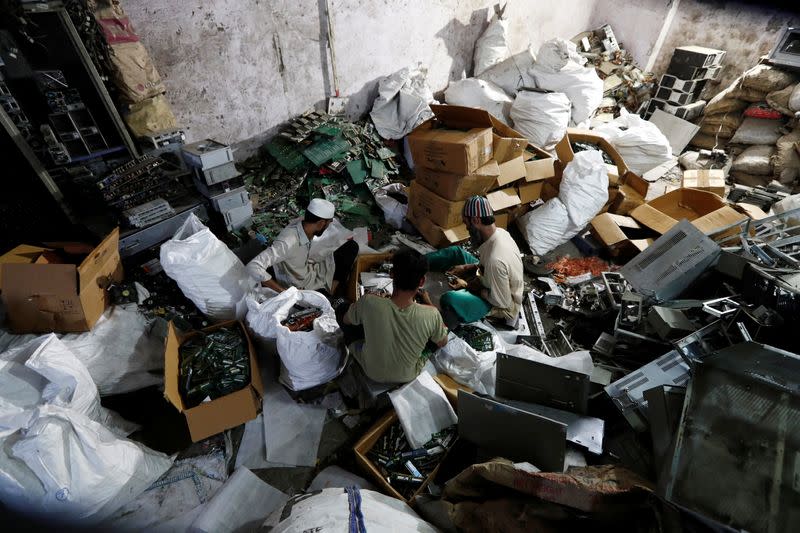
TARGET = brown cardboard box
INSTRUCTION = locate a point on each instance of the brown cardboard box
(507, 216)
(540, 170)
(632, 192)
(436, 235)
(42, 296)
(451, 388)
(566, 154)
(458, 186)
(620, 234)
(501, 220)
(508, 142)
(503, 199)
(442, 212)
(458, 140)
(705, 210)
(215, 416)
(24, 254)
(613, 174)
(705, 180)
(363, 263)
(530, 192)
(511, 171)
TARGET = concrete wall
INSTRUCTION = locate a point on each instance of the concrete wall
(235, 69)
(745, 30)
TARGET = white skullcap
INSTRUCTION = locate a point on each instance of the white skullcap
(321, 208)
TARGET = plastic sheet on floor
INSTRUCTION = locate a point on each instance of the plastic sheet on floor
(186, 486)
(241, 504)
(291, 431)
(337, 477)
(252, 452)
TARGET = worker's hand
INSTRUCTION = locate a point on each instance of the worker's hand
(457, 284)
(272, 284)
(458, 270)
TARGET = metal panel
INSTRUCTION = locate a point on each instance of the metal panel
(511, 432)
(530, 381)
(737, 454)
(159, 232)
(585, 431)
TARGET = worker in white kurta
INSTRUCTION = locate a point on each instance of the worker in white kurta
(289, 255)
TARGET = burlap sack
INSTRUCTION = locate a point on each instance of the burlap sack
(135, 73)
(151, 116)
(786, 160)
(730, 120)
(719, 130)
(755, 160)
(709, 142)
(779, 100)
(767, 78)
(747, 94)
(749, 180)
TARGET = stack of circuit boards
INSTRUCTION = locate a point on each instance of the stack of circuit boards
(479, 339)
(141, 180)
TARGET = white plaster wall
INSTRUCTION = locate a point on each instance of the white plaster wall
(238, 69)
(636, 23)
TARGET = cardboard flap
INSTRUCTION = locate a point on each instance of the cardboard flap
(565, 152)
(172, 359)
(231, 410)
(540, 169)
(489, 169)
(687, 203)
(102, 262)
(255, 374)
(503, 199)
(511, 171)
(24, 253)
(454, 116)
(718, 219)
(652, 218)
(636, 182)
(41, 298)
(609, 227)
(508, 143)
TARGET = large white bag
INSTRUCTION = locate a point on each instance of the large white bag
(84, 471)
(541, 117)
(560, 68)
(548, 226)
(485, 95)
(206, 270)
(491, 47)
(402, 103)
(513, 73)
(468, 366)
(308, 358)
(330, 510)
(393, 211)
(422, 409)
(640, 143)
(584, 189)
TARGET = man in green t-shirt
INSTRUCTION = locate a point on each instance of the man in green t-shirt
(396, 329)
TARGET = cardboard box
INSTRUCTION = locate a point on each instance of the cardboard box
(507, 217)
(436, 235)
(458, 140)
(705, 180)
(622, 235)
(502, 220)
(458, 186)
(632, 192)
(503, 198)
(566, 154)
(540, 170)
(44, 296)
(529, 192)
(511, 171)
(705, 210)
(363, 263)
(613, 174)
(440, 211)
(451, 388)
(215, 416)
(508, 143)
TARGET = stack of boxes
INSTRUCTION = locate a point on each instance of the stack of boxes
(679, 89)
(463, 152)
(215, 176)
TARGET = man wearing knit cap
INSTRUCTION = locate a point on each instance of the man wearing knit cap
(289, 255)
(490, 286)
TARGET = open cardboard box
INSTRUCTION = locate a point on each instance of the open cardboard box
(622, 235)
(215, 416)
(442, 212)
(42, 295)
(457, 140)
(363, 263)
(371, 437)
(705, 210)
(436, 235)
(456, 187)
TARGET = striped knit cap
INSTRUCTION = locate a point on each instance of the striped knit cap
(478, 206)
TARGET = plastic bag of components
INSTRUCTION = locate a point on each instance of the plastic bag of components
(394, 211)
(548, 226)
(491, 47)
(45, 371)
(402, 103)
(584, 188)
(467, 365)
(333, 510)
(63, 463)
(559, 67)
(123, 352)
(512, 74)
(640, 143)
(206, 270)
(484, 95)
(422, 409)
(308, 358)
(541, 117)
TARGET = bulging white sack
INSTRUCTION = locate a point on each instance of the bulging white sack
(485, 95)
(402, 103)
(513, 73)
(491, 47)
(546, 227)
(541, 117)
(394, 211)
(640, 143)
(468, 366)
(206, 270)
(584, 188)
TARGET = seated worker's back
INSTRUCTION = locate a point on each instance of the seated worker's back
(395, 330)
